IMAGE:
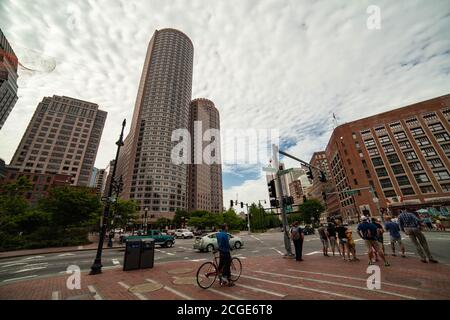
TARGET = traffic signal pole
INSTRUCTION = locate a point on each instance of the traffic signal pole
(287, 240)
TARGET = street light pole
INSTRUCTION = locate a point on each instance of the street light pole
(145, 220)
(96, 267)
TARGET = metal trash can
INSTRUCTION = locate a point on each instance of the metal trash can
(132, 256)
(147, 253)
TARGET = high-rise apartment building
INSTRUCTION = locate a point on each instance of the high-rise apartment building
(162, 106)
(62, 138)
(8, 79)
(100, 180)
(402, 154)
(205, 180)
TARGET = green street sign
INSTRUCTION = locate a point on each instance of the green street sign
(289, 209)
(285, 171)
(350, 192)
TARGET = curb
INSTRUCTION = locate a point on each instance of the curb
(50, 252)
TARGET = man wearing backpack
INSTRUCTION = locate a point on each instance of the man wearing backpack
(297, 237)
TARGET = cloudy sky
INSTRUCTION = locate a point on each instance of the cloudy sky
(267, 64)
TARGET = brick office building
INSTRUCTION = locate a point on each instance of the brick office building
(403, 154)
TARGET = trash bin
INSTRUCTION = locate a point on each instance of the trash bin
(147, 253)
(132, 255)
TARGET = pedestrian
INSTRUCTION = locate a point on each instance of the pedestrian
(410, 225)
(324, 239)
(343, 241)
(331, 234)
(380, 231)
(394, 231)
(439, 225)
(223, 242)
(368, 232)
(297, 237)
(351, 244)
(427, 221)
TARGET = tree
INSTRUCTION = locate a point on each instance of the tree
(125, 212)
(163, 222)
(311, 209)
(179, 216)
(233, 221)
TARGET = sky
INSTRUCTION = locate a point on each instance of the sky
(266, 64)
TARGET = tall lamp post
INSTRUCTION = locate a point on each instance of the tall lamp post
(96, 267)
(145, 220)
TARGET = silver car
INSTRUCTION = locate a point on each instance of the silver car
(209, 242)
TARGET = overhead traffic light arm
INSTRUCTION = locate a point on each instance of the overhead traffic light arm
(322, 176)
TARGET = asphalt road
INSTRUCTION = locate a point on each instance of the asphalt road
(267, 244)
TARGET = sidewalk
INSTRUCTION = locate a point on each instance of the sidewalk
(91, 246)
(263, 278)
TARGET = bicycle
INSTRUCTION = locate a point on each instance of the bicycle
(207, 273)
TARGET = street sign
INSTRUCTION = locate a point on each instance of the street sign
(269, 169)
(288, 209)
(285, 171)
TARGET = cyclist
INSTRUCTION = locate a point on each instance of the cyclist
(225, 257)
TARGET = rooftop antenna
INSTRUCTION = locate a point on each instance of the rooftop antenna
(335, 122)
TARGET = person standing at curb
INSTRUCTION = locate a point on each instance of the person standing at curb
(351, 245)
(324, 239)
(368, 232)
(331, 234)
(343, 241)
(297, 237)
(410, 225)
(394, 232)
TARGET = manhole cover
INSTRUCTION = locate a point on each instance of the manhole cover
(180, 271)
(146, 287)
(185, 280)
(403, 281)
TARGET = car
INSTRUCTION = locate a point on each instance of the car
(161, 239)
(208, 243)
(183, 233)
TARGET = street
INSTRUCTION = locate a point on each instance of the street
(255, 245)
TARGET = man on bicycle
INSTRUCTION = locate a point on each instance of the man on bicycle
(225, 257)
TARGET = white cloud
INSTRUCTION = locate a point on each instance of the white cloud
(266, 64)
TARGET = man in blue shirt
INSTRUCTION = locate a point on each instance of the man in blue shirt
(223, 241)
(394, 232)
(411, 226)
(369, 232)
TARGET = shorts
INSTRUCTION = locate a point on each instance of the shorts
(333, 241)
(343, 240)
(324, 242)
(372, 244)
(380, 239)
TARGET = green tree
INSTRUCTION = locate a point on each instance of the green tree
(125, 212)
(163, 222)
(233, 221)
(311, 208)
(179, 216)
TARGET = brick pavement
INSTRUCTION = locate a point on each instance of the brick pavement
(270, 277)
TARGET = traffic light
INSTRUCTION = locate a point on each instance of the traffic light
(289, 201)
(274, 203)
(231, 203)
(304, 198)
(310, 174)
(242, 204)
(324, 196)
(272, 189)
(322, 177)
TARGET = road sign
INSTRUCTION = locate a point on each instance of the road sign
(285, 171)
(288, 209)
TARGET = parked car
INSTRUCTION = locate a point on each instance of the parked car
(199, 232)
(209, 242)
(161, 239)
(183, 233)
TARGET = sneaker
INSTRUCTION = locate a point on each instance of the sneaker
(386, 264)
(230, 283)
(433, 261)
(403, 255)
(424, 260)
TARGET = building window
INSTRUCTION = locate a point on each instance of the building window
(429, 152)
(373, 152)
(385, 139)
(381, 172)
(421, 178)
(407, 191)
(390, 193)
(388, 148)
(442, 137)
(393, 158)
(417, 131)
(427, 189)
(410, 155)
(377, 162)
(403, 180)
(385, 183)
(446, 187)
(436, 127)
(400, 135)
(369, 142)
(441, 175)
(398, 169)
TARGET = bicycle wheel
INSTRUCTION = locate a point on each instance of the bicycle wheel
(206, 275)
(235, 269)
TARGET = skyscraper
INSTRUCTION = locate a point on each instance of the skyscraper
(205, 180)
(62, 137)
(8, 79)
(162, 105)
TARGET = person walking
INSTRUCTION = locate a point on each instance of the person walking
(223, 242)
(297, 237)
(324, 239)
(394, 232)
(410, 225)
(331, 234)
(343, 241)
(380, 232)
(368, 232)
